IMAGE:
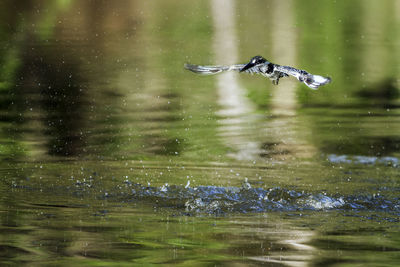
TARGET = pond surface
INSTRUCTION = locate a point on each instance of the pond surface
(113, 154)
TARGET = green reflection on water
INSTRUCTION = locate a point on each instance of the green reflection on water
(94, 97)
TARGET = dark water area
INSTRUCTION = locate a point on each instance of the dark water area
(111, 153)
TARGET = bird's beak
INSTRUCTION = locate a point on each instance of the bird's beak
(248, 66)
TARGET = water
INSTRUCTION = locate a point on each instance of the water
(113, 154)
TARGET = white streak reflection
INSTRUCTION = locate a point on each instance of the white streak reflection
(231, 96)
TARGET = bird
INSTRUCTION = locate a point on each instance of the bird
(260, 65)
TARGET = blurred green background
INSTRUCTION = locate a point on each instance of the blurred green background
(104, 137)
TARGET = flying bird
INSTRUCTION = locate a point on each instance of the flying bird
(260, 65)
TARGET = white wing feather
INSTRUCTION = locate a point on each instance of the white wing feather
(311, 80)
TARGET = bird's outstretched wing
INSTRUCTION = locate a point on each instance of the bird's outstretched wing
(311, 80)
(209, 70)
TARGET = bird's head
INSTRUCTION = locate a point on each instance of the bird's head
(253, 62)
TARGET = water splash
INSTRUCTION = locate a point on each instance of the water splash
(245, 199)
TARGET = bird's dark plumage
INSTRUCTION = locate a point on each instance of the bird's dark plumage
(260, 65)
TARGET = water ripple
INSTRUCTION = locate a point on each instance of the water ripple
(370, 160)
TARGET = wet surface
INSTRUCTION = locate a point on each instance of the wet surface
(113, 154)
